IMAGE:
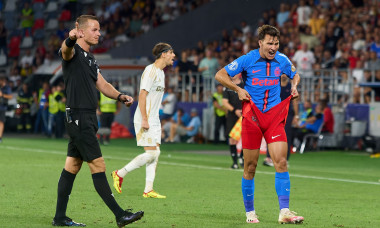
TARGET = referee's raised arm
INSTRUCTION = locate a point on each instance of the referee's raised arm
(67, 47)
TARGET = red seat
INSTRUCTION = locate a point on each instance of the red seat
(14, 47)
(38, 24)
(65, 15)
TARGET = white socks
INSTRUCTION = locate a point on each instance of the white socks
(150, 158)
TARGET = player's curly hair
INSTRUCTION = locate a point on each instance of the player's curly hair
(160, 48)
(268, 30)
(81, 20)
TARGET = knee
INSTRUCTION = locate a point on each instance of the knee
(250, 169)
(281, 165)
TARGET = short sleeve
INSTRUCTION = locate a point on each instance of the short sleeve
(236, 66)
(288, 68)
(147, 78)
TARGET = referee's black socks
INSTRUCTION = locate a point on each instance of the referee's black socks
(104, 190)
(65, 185)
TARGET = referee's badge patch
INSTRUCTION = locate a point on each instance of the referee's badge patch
(233, 65)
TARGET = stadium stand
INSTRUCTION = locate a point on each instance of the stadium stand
(342, 35)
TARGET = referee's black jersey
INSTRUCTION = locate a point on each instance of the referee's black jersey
(80, 75)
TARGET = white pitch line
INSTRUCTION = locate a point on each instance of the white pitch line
(202, 166)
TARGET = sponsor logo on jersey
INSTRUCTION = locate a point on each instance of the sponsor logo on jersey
(266, 82)
(160, 89)
(233, 66)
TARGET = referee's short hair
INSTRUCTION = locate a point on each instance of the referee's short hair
(160, 48)
(268, 30)
(82, 20)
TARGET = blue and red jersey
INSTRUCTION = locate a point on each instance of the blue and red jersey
(262, 77)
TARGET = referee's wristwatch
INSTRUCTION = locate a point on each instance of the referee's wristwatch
(118, 97)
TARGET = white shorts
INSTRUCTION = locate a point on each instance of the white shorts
(151, 137)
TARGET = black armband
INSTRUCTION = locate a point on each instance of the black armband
(69, 42)
(118, 97)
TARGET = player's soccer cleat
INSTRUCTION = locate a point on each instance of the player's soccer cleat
(129, 217)
(66, 222)
(252, 217)
(234, 166)
(117, 181)
(153, 194)
(289, 217)
(268, 162)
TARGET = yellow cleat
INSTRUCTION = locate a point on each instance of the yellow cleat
(153, 194)
(117, 181)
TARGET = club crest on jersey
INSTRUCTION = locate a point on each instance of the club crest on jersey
(277, 71)
(233, 66)
(293, 68)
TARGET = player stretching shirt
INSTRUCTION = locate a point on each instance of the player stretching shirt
(264, 115)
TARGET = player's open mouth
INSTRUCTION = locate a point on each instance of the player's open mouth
(272, 53)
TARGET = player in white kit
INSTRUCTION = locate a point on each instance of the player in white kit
(147, 122)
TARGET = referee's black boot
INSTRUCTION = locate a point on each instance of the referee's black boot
(129, 217)
(66, 222)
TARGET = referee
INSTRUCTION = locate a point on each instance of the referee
(82, 79)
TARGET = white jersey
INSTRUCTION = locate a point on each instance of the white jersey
(152, 81)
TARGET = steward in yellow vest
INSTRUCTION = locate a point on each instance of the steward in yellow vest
(108, 108)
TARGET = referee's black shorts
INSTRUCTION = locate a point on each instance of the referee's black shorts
(82, 130)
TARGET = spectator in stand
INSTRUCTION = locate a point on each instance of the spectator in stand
(328, 117)
(3, 38)
(169, 104)
(375, 46)
(374, 61)
(304, 60)
(121, 37)
(327, 60)
(40, 49)
(283, 15)
(303, 12)
(54, 43)
(181, 118)
(377, 89)
(183, 71)
(27, 59)
(311, 125)
(15, 77)
(27, 19)
(192, 129)
(316, 22)
(208, 66)
(62, 31)
(306, 37)
(26, 70)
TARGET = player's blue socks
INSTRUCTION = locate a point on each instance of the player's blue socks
(282, 184)
(248, 188)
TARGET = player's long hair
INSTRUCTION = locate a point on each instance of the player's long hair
(268, 30)
(160, 48)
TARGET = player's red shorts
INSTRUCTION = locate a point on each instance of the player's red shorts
(271, 124)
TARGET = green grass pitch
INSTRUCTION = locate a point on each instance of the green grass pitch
(329, 188)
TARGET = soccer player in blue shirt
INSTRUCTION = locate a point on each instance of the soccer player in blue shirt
(264, 114)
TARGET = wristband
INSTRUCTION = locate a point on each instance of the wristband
(118, 97)
(69, 42)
